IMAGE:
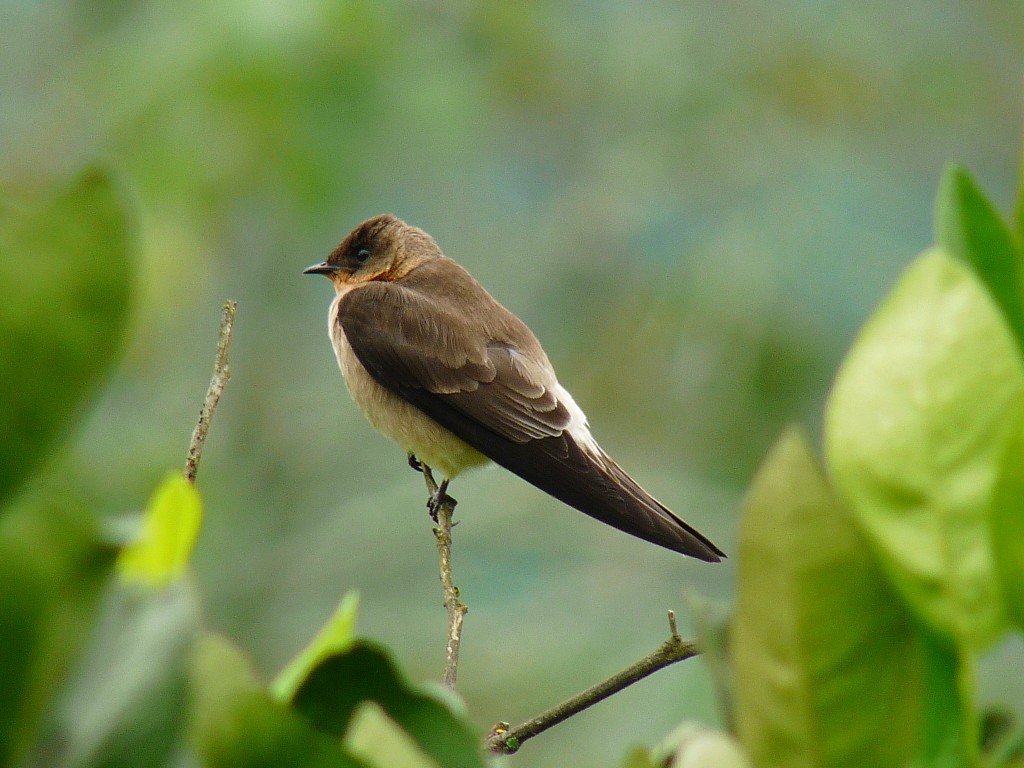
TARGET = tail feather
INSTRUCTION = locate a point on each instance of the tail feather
(582, 478)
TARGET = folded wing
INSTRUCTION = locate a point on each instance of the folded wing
(481, 374)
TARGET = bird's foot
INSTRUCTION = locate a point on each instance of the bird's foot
(415, 463)
(438, 498)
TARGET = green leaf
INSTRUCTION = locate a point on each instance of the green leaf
(52, 568)
(218, 674)
(126, 705)
(169, 531)
(381, 742)
(237, 725)
(915, 429)
(257, 732)
(1018, 218)
(827, 662)
(1008, 525)
(968, 226)
(331, 692)
(948, 734)
(691, 745)
(713, 623)
(639, 758)
(336, 636)
(65, 275)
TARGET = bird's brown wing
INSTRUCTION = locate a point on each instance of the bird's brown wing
(489, 383)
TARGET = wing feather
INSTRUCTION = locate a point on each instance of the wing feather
(489, 382)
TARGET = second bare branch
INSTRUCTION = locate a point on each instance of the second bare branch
(442, 508)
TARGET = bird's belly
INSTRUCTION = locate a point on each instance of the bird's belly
(389, 414)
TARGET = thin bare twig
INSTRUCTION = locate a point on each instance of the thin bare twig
(221, 375)
(505, 740)
(442, 507)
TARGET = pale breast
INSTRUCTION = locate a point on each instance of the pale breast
(391, 415)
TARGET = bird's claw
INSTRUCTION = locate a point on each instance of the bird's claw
(415, 463)
(437, 499)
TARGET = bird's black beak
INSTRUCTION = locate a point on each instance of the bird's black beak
(323, 268)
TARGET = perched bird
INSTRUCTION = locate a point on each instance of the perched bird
(443, 369)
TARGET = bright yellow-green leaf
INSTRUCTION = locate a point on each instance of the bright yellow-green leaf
(915, 428)
(169, 530)
(334, 637)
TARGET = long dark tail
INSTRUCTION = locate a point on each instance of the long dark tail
(592, 483)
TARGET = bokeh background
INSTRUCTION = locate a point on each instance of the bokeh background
(694, 206)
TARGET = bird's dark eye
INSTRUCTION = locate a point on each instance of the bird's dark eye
(363, 255)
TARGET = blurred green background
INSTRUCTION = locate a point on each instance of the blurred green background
(693, 205)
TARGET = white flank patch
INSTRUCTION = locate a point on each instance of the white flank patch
(578, 429)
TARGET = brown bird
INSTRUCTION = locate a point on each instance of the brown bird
(457, 380)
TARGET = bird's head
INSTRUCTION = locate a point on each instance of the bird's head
(381, 248)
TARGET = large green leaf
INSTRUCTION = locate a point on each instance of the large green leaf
(968, 226)
(915, 429)
(65, 274)
(827, 662)
(52, 568)
(330, 694)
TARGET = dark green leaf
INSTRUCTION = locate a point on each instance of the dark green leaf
(915, 429)
(968, 226)
(237, 725)
(330, 693)
(948, 729)
(256, 732)
(1018, 217)
(1008, 526)
(64, 276)
(827, 662)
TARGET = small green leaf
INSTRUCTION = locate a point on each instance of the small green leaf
(331, 692)
(915, 429)
(1008, 525)
(968, 226)
(169, 531)
(335, 636)
(65, 277)
(826, 661)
